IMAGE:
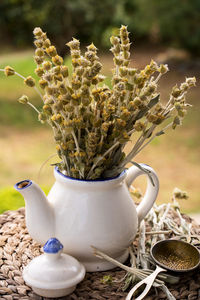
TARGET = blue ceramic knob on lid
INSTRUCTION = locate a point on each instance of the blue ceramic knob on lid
(52, 246)
(53, 274)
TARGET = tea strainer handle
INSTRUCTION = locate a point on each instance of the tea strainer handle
(149, 280)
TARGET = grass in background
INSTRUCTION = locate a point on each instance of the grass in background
(25, 144)
(12, 199)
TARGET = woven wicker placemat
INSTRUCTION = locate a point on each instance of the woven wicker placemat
(17, 248)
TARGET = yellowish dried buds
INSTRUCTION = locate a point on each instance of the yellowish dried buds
(114, 40)
(163, 69)
(39, 60)
(57, 60)
(29, 81)
(42, 117)
(176, 92)
(39, 71)
(92, 48)
(74, 44)
(38, 32)
(47, 65)
(65, 71)
(51, 51)
(23, 99)
(39, 52)
(180, 194)
(43, 83)
(139, 126)
(9, 71)
(191, 81)
(47, 43)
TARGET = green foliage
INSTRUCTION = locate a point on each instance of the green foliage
(170, 21)
(62, 19)
(10, 199)
(173, 22)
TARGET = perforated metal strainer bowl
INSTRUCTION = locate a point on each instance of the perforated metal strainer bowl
(175, 255)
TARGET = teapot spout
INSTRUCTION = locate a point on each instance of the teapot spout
(39, 212)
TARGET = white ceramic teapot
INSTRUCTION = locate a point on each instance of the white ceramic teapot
(82, 213)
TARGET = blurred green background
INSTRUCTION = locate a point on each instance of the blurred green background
(167, 31)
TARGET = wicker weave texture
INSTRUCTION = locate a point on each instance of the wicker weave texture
(17, 248)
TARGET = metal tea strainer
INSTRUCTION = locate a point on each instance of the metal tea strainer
(172, 255)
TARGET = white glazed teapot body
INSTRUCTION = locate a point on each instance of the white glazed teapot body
(98, 213)
(81, 214)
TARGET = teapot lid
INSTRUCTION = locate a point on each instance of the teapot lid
(53, 269)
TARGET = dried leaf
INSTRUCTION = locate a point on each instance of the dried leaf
(147, 172)
(151, 103)
(160, 133)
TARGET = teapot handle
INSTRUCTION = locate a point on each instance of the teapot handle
(151, 191)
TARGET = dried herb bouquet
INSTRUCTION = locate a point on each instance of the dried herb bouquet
(91, 122)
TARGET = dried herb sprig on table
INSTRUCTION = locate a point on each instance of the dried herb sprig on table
(91, 122)
(162, 225)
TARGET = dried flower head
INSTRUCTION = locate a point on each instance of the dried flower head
(29, 81)
(23, 99)
(179, 194)
(9, 71)
(38, 32)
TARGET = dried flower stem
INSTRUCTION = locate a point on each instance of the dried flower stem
(138, 144)
(167, 292)
(31, 105)
(102, 255)
(139, 273)
(141, 246)
(158, 232)
(76, 141)
(102, 157)
(35, 88)
(153, 137)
